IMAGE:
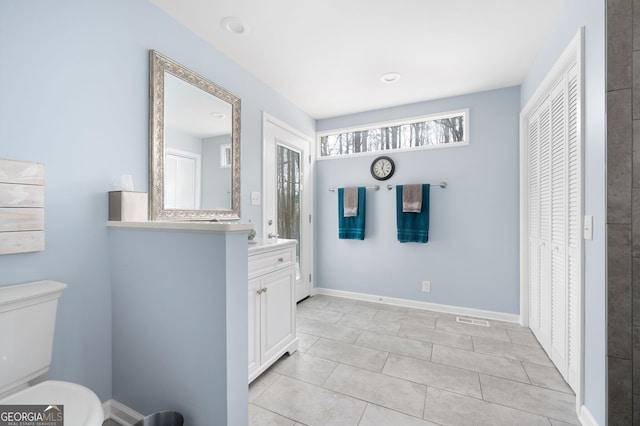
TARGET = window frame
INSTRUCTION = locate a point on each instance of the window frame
(391, 123)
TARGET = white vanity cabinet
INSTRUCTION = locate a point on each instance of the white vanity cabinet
(272, 306)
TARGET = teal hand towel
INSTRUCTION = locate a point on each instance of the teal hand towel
(413, 227)
(351, 228)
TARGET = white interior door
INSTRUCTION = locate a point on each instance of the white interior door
(182, 180)
(287, 195)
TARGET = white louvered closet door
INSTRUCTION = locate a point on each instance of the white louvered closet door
(540, 223)
(554, 224)
(558, 215)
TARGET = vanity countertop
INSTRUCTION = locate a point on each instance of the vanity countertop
(194, 226)
(260, 246)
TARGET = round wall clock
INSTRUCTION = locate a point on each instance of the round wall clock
(382, 168)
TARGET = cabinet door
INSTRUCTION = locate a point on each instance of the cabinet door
(254, 325)
(277, 309)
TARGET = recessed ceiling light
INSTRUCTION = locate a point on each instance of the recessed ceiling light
(215, 114)
(390, 77)
(234, 25)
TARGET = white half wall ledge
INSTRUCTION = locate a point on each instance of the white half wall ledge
(417, 304)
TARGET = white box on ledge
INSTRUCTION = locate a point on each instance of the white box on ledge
(128, 206)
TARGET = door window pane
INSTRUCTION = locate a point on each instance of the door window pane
(288, 192)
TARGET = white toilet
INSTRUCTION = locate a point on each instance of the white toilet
(27, 319)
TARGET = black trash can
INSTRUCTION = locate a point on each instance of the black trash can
(162, 418)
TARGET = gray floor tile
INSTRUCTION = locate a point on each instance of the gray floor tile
(305, 367)
(375, 415)
(437, 375)
(513, 351)
(559, 423)
(451, 325)
(379, 326)
(450, 409)
(398, 345)
(359, 356)
(258, 416)
(331, 331)
(318, 314)
(366, 370)
(390, 392)
(421, 318)
(305, 341)
(424, 313)
(546, 377)
(481, 363)
(318, 301)
(509, 326)
(311, 405)
(523, 338)
(533, 399)
(387, 307)
(351, 308)
(418, 332)
(262, 383)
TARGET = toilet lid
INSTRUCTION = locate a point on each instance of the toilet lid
(81, 406)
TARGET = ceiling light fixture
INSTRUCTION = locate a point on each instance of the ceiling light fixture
(234, 25)
(390, 77)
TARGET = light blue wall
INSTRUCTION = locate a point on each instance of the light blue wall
(591, 15)
(471, 258)
(74, 91)
(182, 141)
(180, 324)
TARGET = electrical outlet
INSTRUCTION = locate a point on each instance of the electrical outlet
(255, 198)
(426, 286)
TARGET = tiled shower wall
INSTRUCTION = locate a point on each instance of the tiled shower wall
(623, 210)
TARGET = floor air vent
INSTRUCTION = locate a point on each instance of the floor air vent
(472, 321)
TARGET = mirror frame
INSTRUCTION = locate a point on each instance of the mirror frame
(159, 64)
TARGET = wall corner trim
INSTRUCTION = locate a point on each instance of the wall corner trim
(417, 304)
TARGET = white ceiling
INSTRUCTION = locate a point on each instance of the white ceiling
(327, 56)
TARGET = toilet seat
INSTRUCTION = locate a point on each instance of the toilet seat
(81, 406)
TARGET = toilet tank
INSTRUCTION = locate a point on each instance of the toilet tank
(27, 320)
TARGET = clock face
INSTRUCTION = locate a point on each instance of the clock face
(382, 168)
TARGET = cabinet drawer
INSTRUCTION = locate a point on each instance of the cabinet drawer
(263, 263)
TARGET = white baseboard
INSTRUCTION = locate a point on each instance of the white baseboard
(456, 310)
(586, 418)
(121, 413)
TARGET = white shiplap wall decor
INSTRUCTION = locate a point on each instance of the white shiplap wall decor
(21, 206)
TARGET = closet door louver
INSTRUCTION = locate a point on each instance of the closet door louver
(534, 223)
(558, 226)
(555, 224)
(544, 246)
(574, 226)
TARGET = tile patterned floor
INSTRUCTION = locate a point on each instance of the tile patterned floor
(369, 364)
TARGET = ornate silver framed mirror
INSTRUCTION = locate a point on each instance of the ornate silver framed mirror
(194, 145)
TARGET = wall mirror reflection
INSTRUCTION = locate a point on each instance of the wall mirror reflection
(194, 146)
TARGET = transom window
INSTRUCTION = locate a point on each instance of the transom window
(433, 131)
